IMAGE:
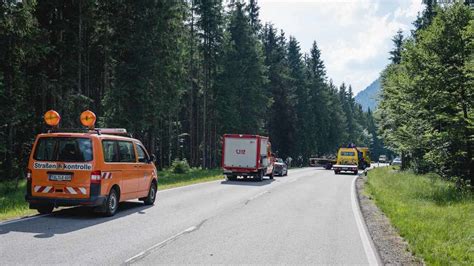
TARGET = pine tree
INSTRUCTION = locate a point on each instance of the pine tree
(298, 83)
(242, 99)
(396, 53)
(18, 31)
(318, 95)
(281, 123)
(210, 22)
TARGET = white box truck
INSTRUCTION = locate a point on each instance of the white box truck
(247, 156)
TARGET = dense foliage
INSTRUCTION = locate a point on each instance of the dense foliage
(177, 74)
(426, 111)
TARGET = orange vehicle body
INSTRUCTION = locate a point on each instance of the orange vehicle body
(106, 162)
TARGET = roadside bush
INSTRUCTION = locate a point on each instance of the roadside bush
(180, 166)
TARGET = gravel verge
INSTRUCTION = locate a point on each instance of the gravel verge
(392, 248)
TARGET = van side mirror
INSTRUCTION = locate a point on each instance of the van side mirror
(153, 158)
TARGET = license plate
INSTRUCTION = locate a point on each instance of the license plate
(60, 177)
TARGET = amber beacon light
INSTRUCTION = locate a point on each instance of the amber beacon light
(52, 118)
(88, 119)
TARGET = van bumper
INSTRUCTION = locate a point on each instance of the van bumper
(40, 201)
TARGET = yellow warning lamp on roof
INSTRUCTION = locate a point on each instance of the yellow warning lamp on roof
(88, 119)
(52, 118)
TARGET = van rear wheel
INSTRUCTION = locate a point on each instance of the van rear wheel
(112, 202)
(150, 199)
(45, 209)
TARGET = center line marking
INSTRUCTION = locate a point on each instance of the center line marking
(158, 245)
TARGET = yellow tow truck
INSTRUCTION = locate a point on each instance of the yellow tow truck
(347, 160)
(351, 159)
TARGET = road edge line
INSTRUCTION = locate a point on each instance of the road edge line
(26, 218)
(371, 252)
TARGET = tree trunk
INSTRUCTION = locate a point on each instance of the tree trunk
(79, 51)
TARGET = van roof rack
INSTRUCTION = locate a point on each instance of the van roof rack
(111, 131)
(99, 131)
(68, 130)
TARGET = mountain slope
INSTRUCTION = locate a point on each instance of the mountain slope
(368, 98)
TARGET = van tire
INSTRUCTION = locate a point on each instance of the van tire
(112, 202)
(150, 199)
(45, 209)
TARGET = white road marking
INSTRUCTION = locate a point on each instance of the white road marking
(258, 195)
(23, 219)
(148, 250)
(186, 186)
(369, 248)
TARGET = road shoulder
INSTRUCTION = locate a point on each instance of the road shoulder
(392, 248)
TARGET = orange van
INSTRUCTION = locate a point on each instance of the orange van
(91, 167)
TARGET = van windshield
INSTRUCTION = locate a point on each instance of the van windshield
(64, 149)
(347, 153)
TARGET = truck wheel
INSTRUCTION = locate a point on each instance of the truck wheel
(356, 172)
(112, 202)
(150, 199)
(271, 175)
(259, 176)
(45, 209)
(336, 172)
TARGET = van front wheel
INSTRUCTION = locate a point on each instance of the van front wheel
(150, 199)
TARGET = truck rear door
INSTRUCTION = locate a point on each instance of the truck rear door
(240, 152)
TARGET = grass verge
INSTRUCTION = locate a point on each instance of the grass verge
(12, 201)
(434, 217)
(13, 204)
(167, 179)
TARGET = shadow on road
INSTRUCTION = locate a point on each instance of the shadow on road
(248, 182)
(69, 220)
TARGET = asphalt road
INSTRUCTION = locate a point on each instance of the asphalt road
(306, 217)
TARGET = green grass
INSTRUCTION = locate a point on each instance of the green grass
(434, 217)
(168, 179)
(13, 204)
(12, 201)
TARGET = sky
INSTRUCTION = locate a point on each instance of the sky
(354, 36)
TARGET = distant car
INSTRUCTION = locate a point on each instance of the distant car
(396, 161)
(382, 159)
(280, 168)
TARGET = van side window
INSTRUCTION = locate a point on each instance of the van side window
(110, 151)
(142, 155)
(126, 151)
